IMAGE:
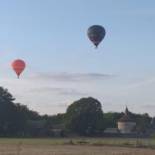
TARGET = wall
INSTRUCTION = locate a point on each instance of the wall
(126, 127)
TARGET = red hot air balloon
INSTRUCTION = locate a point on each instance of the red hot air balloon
(18, 66)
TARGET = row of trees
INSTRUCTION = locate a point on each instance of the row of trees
(83, 117)
(13, 117)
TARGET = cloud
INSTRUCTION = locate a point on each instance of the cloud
(71, 77)
(52, 93)
(142, 83)
(148, 106)
(58, 91)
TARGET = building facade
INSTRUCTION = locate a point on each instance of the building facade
(126, 124)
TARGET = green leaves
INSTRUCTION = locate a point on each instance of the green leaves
(85, 116)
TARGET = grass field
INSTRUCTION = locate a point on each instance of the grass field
(78, 146)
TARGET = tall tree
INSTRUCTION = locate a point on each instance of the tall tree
(85, 116)
(7, 112)
(13, 117)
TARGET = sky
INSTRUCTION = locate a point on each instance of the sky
(63, 65)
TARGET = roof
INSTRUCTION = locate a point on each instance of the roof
(126, 117)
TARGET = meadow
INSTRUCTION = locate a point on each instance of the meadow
(77, 146)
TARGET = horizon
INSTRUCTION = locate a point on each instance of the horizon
(61, 63)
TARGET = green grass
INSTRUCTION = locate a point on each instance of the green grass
(129, 142)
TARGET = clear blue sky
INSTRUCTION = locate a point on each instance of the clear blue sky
(50, 36)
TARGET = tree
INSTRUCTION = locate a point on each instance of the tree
(13, 117)
(85, 116)
(111, 119)
(7, 112)
(143, 122)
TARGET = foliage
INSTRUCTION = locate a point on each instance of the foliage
(85, 116)
(13, 116)
(111, 119)
(143, 122)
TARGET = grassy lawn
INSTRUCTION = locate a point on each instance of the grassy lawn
(76, 146)
(130, 142)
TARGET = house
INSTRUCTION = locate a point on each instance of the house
(126, 124)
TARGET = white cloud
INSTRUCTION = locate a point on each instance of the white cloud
(52, 93)
(70, 77)
(58, 91)
(44, 92)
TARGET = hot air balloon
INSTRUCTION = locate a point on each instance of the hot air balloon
(96, 34)
(18, 66)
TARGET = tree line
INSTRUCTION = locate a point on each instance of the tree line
(84, 117)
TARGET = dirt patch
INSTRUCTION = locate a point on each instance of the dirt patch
(23, 149)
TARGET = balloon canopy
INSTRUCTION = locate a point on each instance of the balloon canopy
(18, 66)
(96, 34)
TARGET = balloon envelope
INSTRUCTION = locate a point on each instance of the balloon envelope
(18, 66)
(96, 34)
